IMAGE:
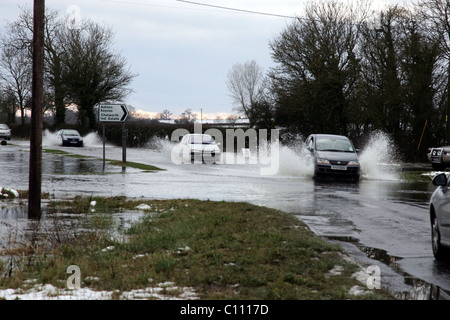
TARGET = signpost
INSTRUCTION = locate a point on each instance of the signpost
(114, 113)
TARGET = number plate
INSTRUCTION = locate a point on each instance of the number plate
(339, 167)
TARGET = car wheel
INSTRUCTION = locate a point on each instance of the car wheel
(439, 252)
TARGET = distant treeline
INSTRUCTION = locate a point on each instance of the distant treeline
(339, 68)
(343, 69)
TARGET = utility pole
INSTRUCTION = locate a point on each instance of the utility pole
(37, 101)
(447, 114)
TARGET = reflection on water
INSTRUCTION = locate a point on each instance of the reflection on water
(16, 163)
(421, 290)
(16, 230)
(400, 191)
(60, 165)
(13, 210)
(381, 255)
(437, 293)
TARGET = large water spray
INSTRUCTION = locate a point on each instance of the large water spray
(377, 159)
(50, 139)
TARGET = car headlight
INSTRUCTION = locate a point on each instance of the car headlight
(353, 163)
(322, 161)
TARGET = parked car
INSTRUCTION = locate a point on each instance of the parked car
(199, 148)
(70, 137)
(333, 156)
(439, 157)
(5, 132)
(440, 217)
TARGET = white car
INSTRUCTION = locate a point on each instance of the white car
(5, 132)
(440, 217)
(199, 148)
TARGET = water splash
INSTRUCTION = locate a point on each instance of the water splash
(50, 139)
(93, 140)
(165, 146)
(378, 158)
(296, 159)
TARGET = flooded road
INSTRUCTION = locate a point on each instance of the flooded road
(381, 220)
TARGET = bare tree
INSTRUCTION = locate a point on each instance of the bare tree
(20, 36)
(247, 84)
(91, 71)
(8, 105)
(187, 116)
(438, 13)
(317, 69)
(165, 115)
(16, 75)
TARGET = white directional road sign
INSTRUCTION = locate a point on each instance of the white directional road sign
(112, 113)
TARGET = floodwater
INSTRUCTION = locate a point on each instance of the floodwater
(381, 220)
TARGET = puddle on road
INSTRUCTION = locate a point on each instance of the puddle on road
(75, 165)
(371, 253)
(421, 290)
(68, 165)
(16, 162)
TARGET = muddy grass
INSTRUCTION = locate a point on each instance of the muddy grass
(213, 250)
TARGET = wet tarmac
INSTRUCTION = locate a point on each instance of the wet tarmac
(381, 220)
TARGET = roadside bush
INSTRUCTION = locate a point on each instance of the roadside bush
(140, 132)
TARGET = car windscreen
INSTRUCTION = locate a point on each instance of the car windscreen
(201, 139)
(70, 133)
(333, 144)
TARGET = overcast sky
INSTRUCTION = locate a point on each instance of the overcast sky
(181, 51)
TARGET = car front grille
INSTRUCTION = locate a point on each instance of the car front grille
(328, 170)
(338, 163)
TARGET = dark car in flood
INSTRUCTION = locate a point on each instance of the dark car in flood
(333, 156)
(70, 137)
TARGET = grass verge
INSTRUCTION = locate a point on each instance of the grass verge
(416, 176)
(135, 165)
(223, 250)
